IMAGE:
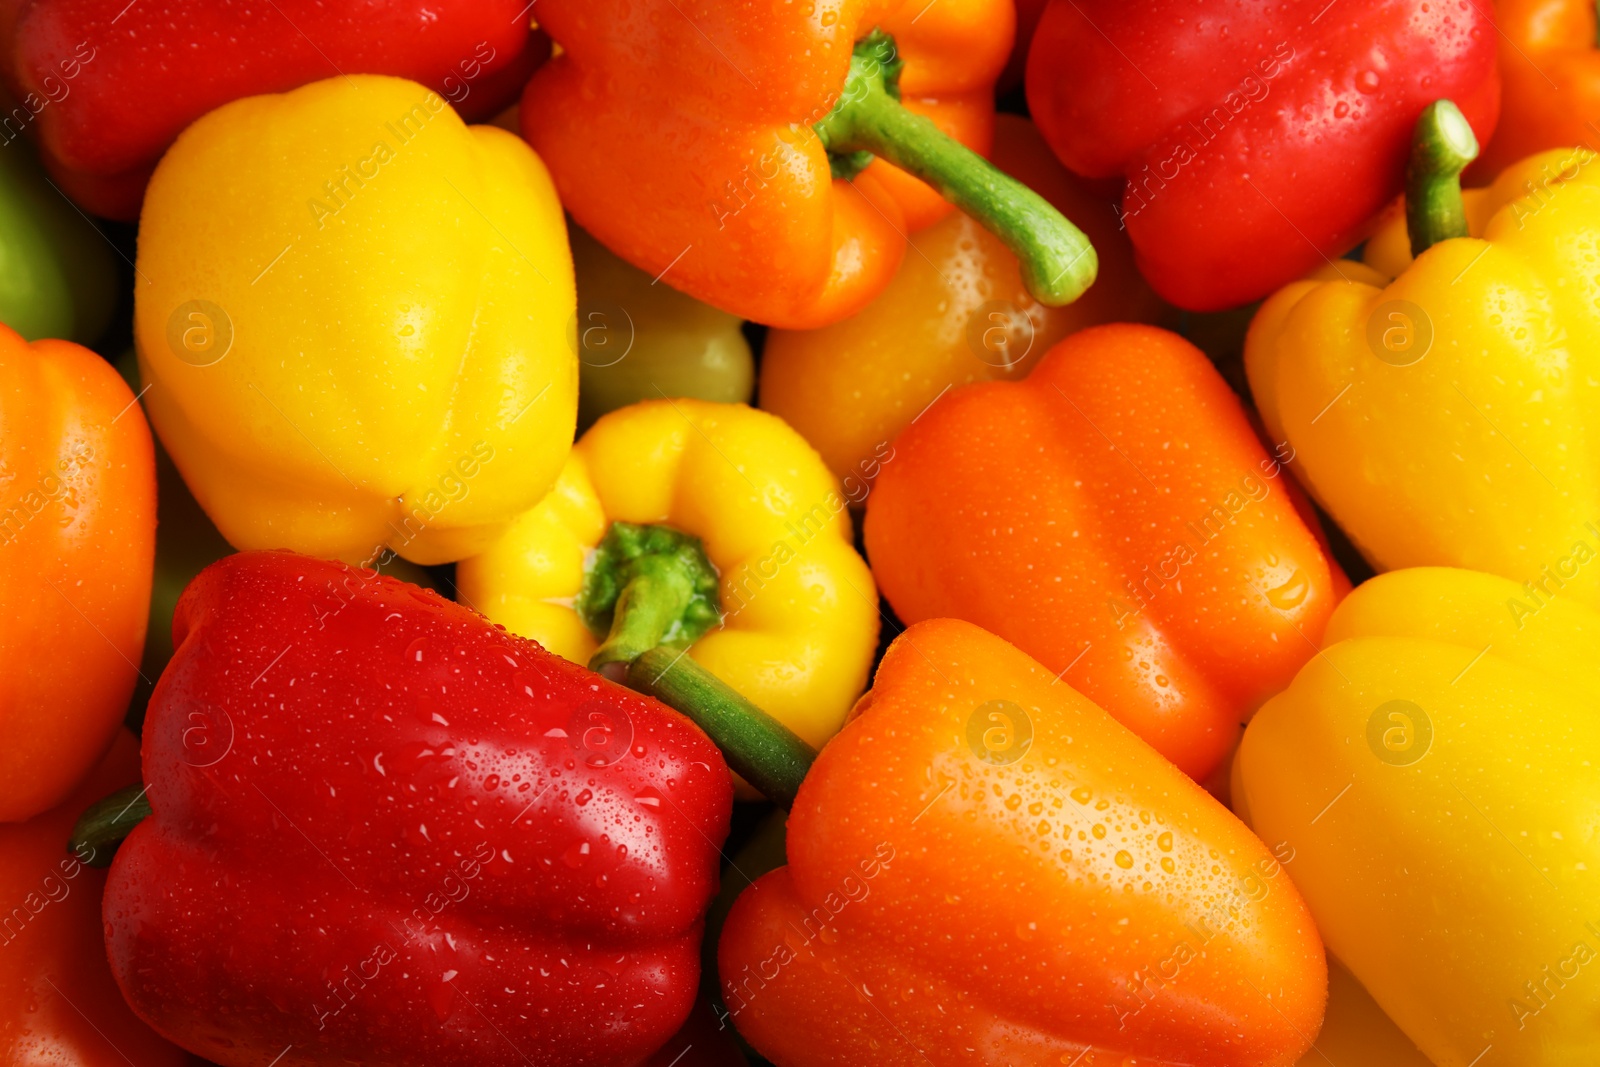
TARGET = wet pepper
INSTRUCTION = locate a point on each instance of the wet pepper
(957, 312)
(780, 203)
(1441, 749)
(1115, 516)
(386, 831)
(1256, 139)
(984, 867)
(1437, 404)
(77, 544)
(106, 86)
(711, 528)
(351, 310)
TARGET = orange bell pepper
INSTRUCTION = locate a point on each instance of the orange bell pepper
(59, 1004)
(984, 868)
(956, 312)
(77, 549)
(1115, 516)
(744, 185)
(1549, 82)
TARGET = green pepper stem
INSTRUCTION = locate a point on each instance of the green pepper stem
(105, 823)
(1441, 146)
(647, 586)
(1058, 262)
(758, 748)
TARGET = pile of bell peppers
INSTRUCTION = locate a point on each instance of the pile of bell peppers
(991, 532)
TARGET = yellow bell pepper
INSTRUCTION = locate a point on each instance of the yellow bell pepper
(798, 607)
(1432, 773)
(1440, 408)
(351, 312)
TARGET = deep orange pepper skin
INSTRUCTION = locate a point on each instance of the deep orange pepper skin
(1079, 904)
(59, 1004)
(77, 551)
(682, 140)
(1072, 514)
(1549, 81)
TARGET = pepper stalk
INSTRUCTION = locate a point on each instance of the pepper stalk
(1058, 262)
(650, 592)
(1441, 147)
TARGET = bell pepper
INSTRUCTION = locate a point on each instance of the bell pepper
(427, 840)
(1255, 139)
(1114, 516)
(1550, 78)
(77, 538)
(637, 340)
(1432, 404)
(713, 530)
(57, 278)
(1356, 1031)
(351, 310)
(186, 543)
(985, 868)
(106, 86)
(956, 313)
(779, 177)
(61, 1005)
(1433, 772)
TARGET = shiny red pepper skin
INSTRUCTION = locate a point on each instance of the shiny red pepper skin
(1257, 138)
(112, 84)
(388, 832)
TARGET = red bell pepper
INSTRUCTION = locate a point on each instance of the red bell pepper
(105, 85)
(386, 831)
(1256, 138)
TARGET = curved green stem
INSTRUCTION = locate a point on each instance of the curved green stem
(647, 586)
(1058, 262)
(102, 827)
(1441, 146)
(758, 748)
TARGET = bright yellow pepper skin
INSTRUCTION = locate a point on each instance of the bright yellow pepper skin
(1433, 773)
(352, 311)
(1441, 409)
(800, 610)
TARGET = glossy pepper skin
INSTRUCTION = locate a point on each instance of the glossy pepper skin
(639, 341)
(58, 279)
(1256, 139)
(1115, 516)
(1550, 77)
(770, 234)
(958, 312)
(1009, 887)
(352, 312)
(1456, 730)
(799, 610)
(1432, 404)
(61, 1005)
(106, 88)
(77, 540)
(387, 831)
